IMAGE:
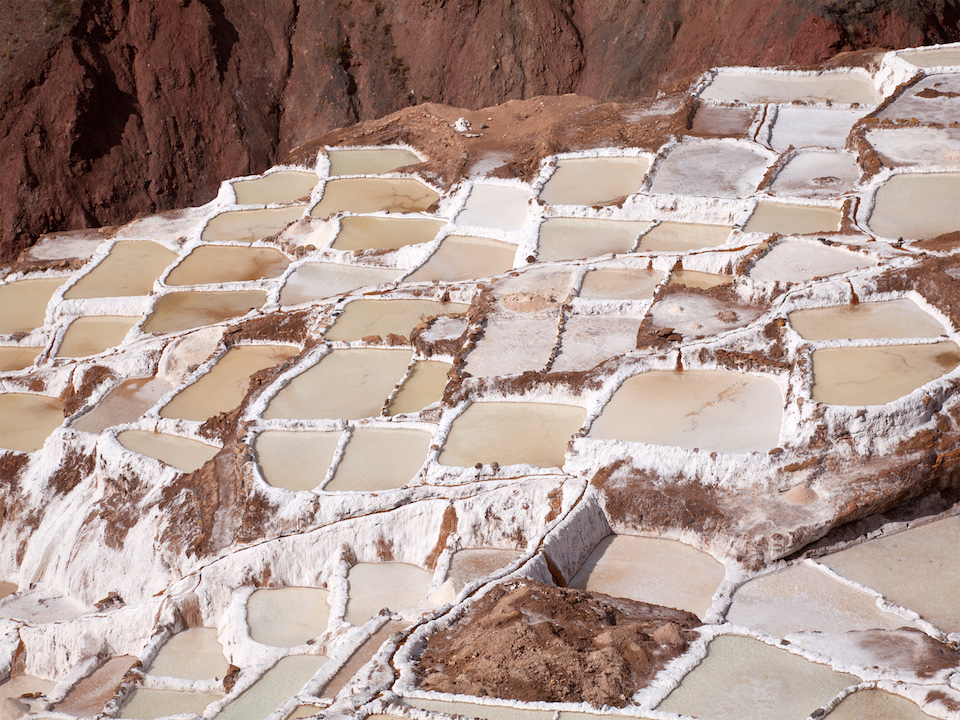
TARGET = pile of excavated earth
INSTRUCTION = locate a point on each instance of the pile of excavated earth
(551, 410)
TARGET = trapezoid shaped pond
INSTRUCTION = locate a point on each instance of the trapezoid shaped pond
(784, 219)
(384, 233)
(711, 410)
(917, 206)
(93, 334)
(27, 420)
(380, 459)
(125, 403)
(295, 460)
(147, 704)
(17, 357)
(878, 375)
(224, 263)
(186, 310)
(283, 186)
(423, 386)
(348, 383)
(376, 317)
(693, 315)
(512, 433)
(766, 87)
(594, 180)
(316, 281)
(129, 269)
(876, 705)
(184, 454)
(620, 284)
(248, 226)
(711, 169)
(193, 654)
(472, 564)
(370, 195)
(287, 617)
(573, 238)
(698, 280)
(916, 145)
(800, 261)
(817, 173)
(682, 237)
(495, 206)
(462, 257)
(372, 161)
(885, 319)
(931, 100)
(280, 682)
(812, 127)
(394, 585)
(23, 304)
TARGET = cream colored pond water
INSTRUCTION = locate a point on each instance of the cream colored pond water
(315, 281)
(226, 384)
(384, 233)
(284, 186)
(475, 710)
(713, 410)
(130, 268)
(17, 357)
(380, 459)
(462, 257)
(23, 304)
(347, 383)
(745, 679)
(146, 704)
(620, 284)
(280, 682)
(651, 570)
(494, 206)
(22, 685)
(878, 375)
(511, 433)
(194, 654)
(917, 206)
(762, 88)
(932, 57)
(182, 453)
(697, 279)
(374, 161)
(471, 564)
(394, 585)
(887, 319)
(366, 317)
(223, 264)
(94, 334)
(594, 181)
(370, 195)
(876, 705)
(572, 238)
(422, 387)
(185, 310)
(26, 420)
(287, 617)
(125, 403)
(248, 226)
(295, 460)
(802, 261)
(771, 217)
(681, 237)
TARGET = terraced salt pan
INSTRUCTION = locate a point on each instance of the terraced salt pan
(511, 433)
(588, 340)
(745, 679)
(474, 710)
(384, 233)
(497, 354)
(876, 705)
(573, 238)
(878, 375)
(23, 304)
(812, 127)
(248, 226)
(125, 403)
(696, 315)
(316, 281)
(182, 453)
(422, 387)
(147, 704)
(287, 617)
(594, 180)
(370, 195)
(26, 420)
(348, 383)
(620, 284)
(283, 680)
(803, 261)
(712, 168)
(394, 585)
(713, 410)
(88, 697)
(295, 460)
(366, 317)
(817, 173)
(284, 186)
(462, 257)
(697, 279)
(917, 206)
(129, 269)
(225, 385)
(918, 568)
(932, 57)
(373, 161)
(92, 335)
(651, 570)
(772, 87)
(923, 146)
(887, 319)
(471, 564)
(184, 310)
(223, 264)
(193, 654)
(771, 217)
(934, 99)
(682, 237)
(495, 206)
(17, 357)
(361, 656)
(380, 459)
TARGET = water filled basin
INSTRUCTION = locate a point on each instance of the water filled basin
(932, 57)
(248, 226)
(711, 169)
(182, 453)
(697, 279)
(471, 564)
(223, 264)
(462, 257)
(682, 237)
(803, 261)
(125, 403)
(594, 181)
(495, 206)
(422, 387)
(876, 705)
(94, 334)
(23, 304)
(295, 460)
(283, 680)
(370, 195)
(129, 269)
(812, 127)
(766, 87)
(287, 617)
(620, 284)
(817, 173)
(26, 420)
(14, 688)
(17, 357)
(384, 233)
(793, 219)
(315, 281)
(394, 585)
(380, 459)
(194, 654)
(572, 238)
(483, 712)
(917, 206)
(887, 319)
(284, 186)
(374, 161)
(185, 310)
(367, 317)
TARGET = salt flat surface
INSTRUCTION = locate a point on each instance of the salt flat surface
(493, 206)
(817, 173)
(924, 146)
(588, 340)
(287, 617)
(315, 281)
(799, 262)
(693, 315)
(933, 99)
(711, 169)
(493, 355)
(813, 127)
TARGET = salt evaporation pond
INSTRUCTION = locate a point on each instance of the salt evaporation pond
(922, 146)
(88, 697)
(620, 284)
(917, 206)
(931, 100)
(315, 281)
(223, 264)
(511, 433)
(495, 206)
(587, 340)
(26, 420)
(475, 710)
(225, 385)
(360, 657)
(285, 186)
(683, 237)
(147, 704)
(771, 217)
(295, 460)
(812, 127)
(424, 386)
(573, 238)
(367, 317)
(876, 705)
(799, 261)
(23, 304)
(372, 161)
(280, 682)
(129, 269)
(651, 570)
(745, 679)
(182, 453)
(17, 357)
(370, 195)
(886, 319)
(698, 280)
(177, 311)
(16, 687)
(878, 375)
(463, 257)
(287, 617)
(193, 654)
(384, 233)
(594, 180)
(712, 410)
(471, 564)
(125, 403)
(766, 87)
(817, 173)
(696, 315)
(93, 334)
(394, 585)
(711, 169)
(349, 383)
(248, 226)
(932, 57)
(380, 459)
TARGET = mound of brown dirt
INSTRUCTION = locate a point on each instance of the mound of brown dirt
(528, 641)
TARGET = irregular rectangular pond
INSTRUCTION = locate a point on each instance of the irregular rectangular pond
(712, 168)
(184, 454)
(185, 310)
(878, 375)
(588, 340)
(380, 459)
(88, 697)
(594, 181)
(373, 161)
(295, 460)
(812, 127)
(284, 186)
(766, 87)
(370, 195)
(876, 705)
(26, 420)
(683, 237)
(17, 357)
(287, 617)
(422, 387)
(512, 433)
(932, 57)
(280, 682)
(394, 585)
(146, 704)
(712, 410)
(916, 145)
(367, 317)
(315, 281)
(194, 654)
(248, 226)
(932, 100)
(225, 385)
(472, 564)
(16, 687)
(803, 261)
(817, 173)
(573, 238)
(92, 335)
(697, 279)
(887, 319)
(129, 269)
(24, 304)
(223, 264)
(125, 403)
(462, 257)
(361, 656)
(384, 233)
(771, 217)
(620, 284)
(494, 206)
(916, 206)
(348, 383)
(693, 314)
(475, 710)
